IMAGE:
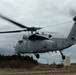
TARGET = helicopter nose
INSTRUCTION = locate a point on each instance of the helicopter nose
(17, 47)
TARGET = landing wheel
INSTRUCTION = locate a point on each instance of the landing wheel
(63, 57)
(37, 56)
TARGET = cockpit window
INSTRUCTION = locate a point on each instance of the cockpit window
(50, 36)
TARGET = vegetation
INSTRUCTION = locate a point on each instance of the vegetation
(60, 66)
(15, 61)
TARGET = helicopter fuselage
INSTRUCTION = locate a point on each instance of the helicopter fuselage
(41, 46)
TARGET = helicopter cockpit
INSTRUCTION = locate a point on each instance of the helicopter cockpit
(37, 36)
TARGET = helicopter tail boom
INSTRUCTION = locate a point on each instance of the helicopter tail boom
(72, 34)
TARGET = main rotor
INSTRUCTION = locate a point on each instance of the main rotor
(26, 28)
(32, 29)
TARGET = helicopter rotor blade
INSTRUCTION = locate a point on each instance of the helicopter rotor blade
(16, 23)
(20, 25)
(72, 12)
(14, 31)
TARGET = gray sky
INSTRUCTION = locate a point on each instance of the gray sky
(39, 13)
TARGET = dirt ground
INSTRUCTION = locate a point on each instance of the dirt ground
(8, 71)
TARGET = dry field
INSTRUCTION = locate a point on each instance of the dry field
(33, 72)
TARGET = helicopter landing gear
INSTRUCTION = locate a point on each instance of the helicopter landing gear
(63, 57)
(37, 56)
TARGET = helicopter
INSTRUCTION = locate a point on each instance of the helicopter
(39, 43)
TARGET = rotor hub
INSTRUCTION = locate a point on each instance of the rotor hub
(74, 19)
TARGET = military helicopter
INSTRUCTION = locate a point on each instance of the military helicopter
(39, 43)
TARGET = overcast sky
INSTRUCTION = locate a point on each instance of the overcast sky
(39, 13)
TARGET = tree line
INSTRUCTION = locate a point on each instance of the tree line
(15, 61)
